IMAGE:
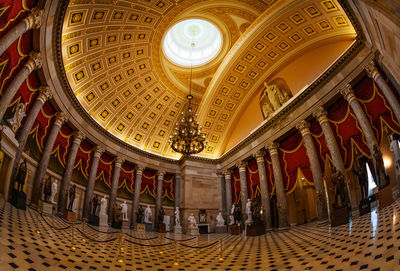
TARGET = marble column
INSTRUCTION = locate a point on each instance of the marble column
(223, 193)
(69, 167)
(34, 62)
(304, 129)
(91, 182)
(265, 200)
(44, 160)
(44, 95)
(394, 148)
(355, 105)
(177, 201)
(160, 180)
(243, 188)
(228, 189)
(114, 187)
(374, 74)
(136, 195)
(32, 21)
(283, 220)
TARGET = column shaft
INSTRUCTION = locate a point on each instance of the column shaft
(304, 128)
(243, 189)
(223, 195)
(136, 194)
(177, 202)
(62, 198)
(33, 63)
(264, 188)
(160, 179)
(44, 160)
(114, 187)
(228, 188)
(91, 182)
(280, 190)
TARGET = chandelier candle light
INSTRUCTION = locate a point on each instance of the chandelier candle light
(187, 138)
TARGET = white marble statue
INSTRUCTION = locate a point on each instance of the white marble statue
(231, 216)
(248, 212)
(16, 120)
(124, 211)
(220, 220)
(272, 96)
(267, 109)
(177, 217)
(147, 214)
(103, 206)
(53, 191)
(192, 222)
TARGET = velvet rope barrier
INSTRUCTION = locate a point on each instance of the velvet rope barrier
(144, 239)
(106, 232)
(199, 247)
(94, 240)
(53, 227)
(148, 245)
(182, 240)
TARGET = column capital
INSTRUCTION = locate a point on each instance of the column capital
(228, 174)
(45, 94)
(160, 175)
(34, 19)
(119, 161)
(259, 155)
(321, 115)
(139, 169)
(61, 118)
(348, 93)
(372, 71)
(242, 165)
(272, 148)
(98, 150)
(35, 61)
(78, 137)
(303, 127)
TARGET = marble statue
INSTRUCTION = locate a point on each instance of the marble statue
(21, 175)
(361, 171)
(232, 215)
(220, 220)
(124, 210)
(16, 120)
(275, 99)
(267, 109)
(103, 206)
(72, 191)
(177, 217)
(381, 176)
(140, 215)
(394, 148)
(192, 222)
(248, 212)
(147, 214)
(53, 191)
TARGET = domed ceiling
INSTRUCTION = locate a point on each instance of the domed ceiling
(114, 60)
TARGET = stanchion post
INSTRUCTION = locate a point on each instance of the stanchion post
(37, 220)
(198, 244)
(83, 231)
(176, 254)
(52, 219)
(73, 248)
(221, 259)
(120, 248)
(160, 240)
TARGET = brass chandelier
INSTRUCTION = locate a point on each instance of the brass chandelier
(187, 138)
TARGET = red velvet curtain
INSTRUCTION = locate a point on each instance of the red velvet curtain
(127, 177)
(149, 182)
(63, 144)
(235, 184)
(14, 12)
(42, 125)
(168, 190)
(105, 169)
(294, 161)
(253, 179)
(270, 175)
(320, 143)
(83, 160)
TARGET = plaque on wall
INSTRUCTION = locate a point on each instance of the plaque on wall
(202, 216)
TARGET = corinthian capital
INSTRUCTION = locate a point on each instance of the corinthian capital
(61, 118)
(98, 151)
(139, 169)
(303, 127)
(348, 93)
(35, 61)
(34, 19)
(272, 148)
(78, 137)
(259, 155)
(320, 114)
(242, 165)
(372, 71)
(44, 94)
(119, 161)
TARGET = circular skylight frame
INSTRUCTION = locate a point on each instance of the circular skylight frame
(177, 43)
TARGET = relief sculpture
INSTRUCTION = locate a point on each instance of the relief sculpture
(272, 99)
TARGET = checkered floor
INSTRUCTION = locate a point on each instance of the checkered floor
(370, 242)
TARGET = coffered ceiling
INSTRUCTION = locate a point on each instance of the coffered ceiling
(116, 68)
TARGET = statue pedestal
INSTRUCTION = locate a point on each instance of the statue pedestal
(93, 220)
(18, 199)
(177, 229)
(385, 197)
(221, 229)
(193, 231)
(161, 227)
(103, 220)
(234, 229)
(149, 227)
(340, 216)
(70, 216)
(255, 229)
(125, 224)
(45, 208)
(139, 227)
(364, 207)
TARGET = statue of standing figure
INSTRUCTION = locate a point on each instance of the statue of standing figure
(220, 220)
(124, 211)
(47, 189)
(147, 214)
(381, 177)
(232, 215)
(72, 191)
(16, 120)
(177, 217)
(139, 215)
(103, 206)
(339, 188)
(21, 175)
(192, 222)
(361, 172)
(249, 212)
(53, 191)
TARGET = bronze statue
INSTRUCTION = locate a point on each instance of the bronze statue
(21, 174)
(339, 187)
(238, 214)
(382, 179)
(72, 191)
(161, 214)
(95, 204)
(361, 172)
(140, 215)
(47, 189)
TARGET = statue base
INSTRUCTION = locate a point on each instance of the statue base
(385, 197)
(234, 229)
(93, 220)
(221, 229)
(340, 216)
(255, 229)
(45, 208)
(149, 227)
(18, 199)
(161, 228)
(193, 231)
(178, 229)
(103, 220)
(70, 216)
(364, 207)
(125, 224)
(140, 227)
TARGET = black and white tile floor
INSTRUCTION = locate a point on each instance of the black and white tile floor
(370, 242)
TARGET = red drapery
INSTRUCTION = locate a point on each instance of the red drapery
(63, 144)
(270, 174)
(235, 184)
(105, 169)
(168, 190)
(149, 182)
(294, 162)
(12, 12)
(320, 143)
(84, 158)
(127, 177)
(253, 179)
(43, 124)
